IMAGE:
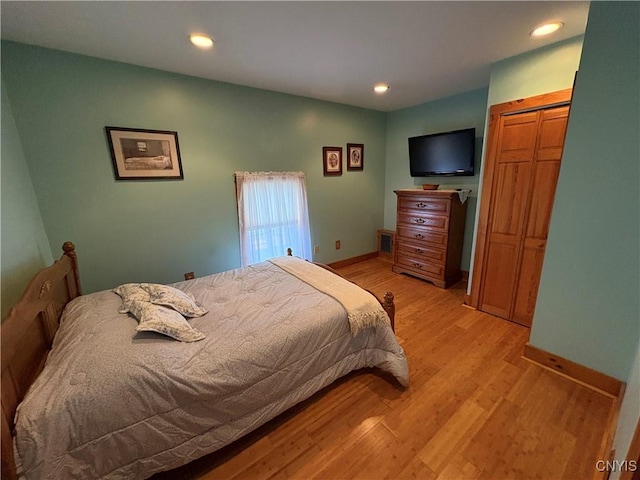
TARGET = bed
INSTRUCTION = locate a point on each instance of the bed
(96, 399)
(160, 162)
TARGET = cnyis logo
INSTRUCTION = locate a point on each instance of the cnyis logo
(617, 466)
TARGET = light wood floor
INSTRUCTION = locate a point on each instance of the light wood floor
(474, 408)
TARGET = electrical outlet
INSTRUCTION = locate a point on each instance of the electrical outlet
(316, 249)
(337, 244)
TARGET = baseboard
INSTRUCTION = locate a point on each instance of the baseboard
(465, 275)
(574, 371)
(590, 378)
(353, 260)
(467, 301)
(606, 452)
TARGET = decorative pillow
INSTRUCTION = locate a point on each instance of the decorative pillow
(129, 292)
(180, 301)
(156, 318)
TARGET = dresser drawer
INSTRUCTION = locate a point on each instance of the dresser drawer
(429, 235)
(421, 252)
(433, 222)
(421, 236)
(421, 266)
(424, 204)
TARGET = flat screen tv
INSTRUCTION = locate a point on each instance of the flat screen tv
(443, 154)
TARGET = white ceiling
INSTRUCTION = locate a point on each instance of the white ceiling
(333, 51)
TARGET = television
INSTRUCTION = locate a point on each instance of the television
(443, 154)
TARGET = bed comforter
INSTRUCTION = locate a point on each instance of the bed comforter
(113, 403)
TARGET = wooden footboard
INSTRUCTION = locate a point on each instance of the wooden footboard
(27, 333)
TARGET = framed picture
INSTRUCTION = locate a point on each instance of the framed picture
(332, 160)
(355, 156)
(139, 154)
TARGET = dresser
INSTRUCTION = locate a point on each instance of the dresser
(429, 234)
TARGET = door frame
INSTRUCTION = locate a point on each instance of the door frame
(538, 102)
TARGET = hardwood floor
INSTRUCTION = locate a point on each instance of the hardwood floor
(474, 408)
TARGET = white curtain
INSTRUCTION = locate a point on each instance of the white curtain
(272, 215)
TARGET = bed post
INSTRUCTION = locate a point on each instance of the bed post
(390, 308)
(69, 250)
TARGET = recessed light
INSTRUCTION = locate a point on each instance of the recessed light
(546, 29)
(381, 88)
(201, 41)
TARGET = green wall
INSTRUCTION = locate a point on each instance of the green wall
(452, 113)
(588, 305)
(543, 70)
(588, 308)
(25, 247)
(157, 230)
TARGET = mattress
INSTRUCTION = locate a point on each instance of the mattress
(115, 403)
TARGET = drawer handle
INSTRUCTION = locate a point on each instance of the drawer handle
(419, 251)
(421, 205)
(417, 265)
(419, 235)
(419, 220)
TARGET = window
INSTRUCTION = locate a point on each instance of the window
(272, 215)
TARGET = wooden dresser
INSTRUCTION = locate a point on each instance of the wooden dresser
(429, 234)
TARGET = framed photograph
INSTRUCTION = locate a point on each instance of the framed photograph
(355, 156)
(139, 154)
(332, 160)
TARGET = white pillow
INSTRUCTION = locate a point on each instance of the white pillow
(180, 301)
(129, 292)
(156, 318)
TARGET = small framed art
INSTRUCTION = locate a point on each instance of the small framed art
(139, 154)
(332, 160)
(355, 156)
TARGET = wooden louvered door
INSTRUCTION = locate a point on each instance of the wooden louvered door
(523, 164)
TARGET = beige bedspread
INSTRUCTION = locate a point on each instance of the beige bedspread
(363, 309)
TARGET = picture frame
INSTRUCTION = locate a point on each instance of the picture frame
(332, 160)
(140, 154)
(355, 156)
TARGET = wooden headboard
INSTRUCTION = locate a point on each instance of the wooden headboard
(27, 333)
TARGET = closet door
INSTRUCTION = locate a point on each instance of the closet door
(546, 168)
(525, 142)
(512, 179)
